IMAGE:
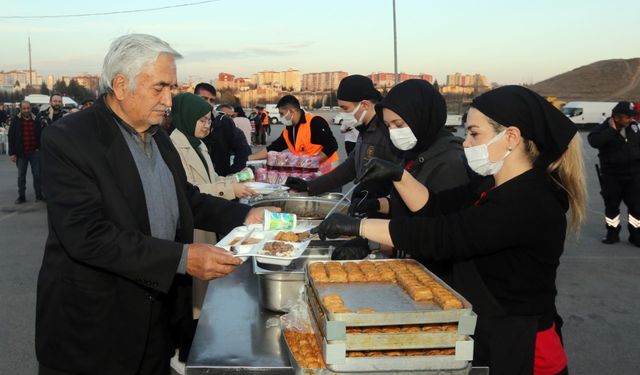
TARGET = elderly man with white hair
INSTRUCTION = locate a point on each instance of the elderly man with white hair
(118, 261)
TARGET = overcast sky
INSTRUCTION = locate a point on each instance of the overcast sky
(508, 41)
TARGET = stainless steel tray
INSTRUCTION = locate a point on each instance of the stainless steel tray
(390, 341)
(371, 366)
(335, 332)
(432, 365)
(391, 304)
(297, 369)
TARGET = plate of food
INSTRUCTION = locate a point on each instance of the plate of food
(280, 247)
(265, 188)
(241, 240)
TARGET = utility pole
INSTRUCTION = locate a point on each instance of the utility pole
(30, 74)
(395, 46)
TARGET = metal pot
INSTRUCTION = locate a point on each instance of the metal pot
(280, 286)
(305, 207)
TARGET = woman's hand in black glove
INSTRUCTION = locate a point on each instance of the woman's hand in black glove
(366, 207)
(337, 225)
(380, 169)
(297, 184)
(357, 248)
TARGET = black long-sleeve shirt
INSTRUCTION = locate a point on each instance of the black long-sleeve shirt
(373, 141)
(225, 140)
(619, 150)
(515, 235)
(320, 135)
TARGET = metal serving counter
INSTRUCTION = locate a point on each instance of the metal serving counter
(232, 336)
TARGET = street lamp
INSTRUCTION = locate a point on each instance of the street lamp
(395, 46)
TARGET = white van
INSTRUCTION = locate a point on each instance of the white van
(583, 113)
(274, 115)
(42, 101)
(453, 121)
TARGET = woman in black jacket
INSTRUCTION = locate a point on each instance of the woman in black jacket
(506, 242)
(415, 113)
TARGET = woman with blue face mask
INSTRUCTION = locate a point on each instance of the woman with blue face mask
(505, 241)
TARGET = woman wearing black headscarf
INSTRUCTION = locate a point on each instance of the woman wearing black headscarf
(415, 113)
(506, 242)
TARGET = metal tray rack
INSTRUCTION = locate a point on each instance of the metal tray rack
(335, 356)
(335, 333)
(392, 307)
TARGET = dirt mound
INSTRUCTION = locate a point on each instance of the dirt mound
(606, 80)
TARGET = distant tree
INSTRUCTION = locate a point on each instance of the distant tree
(60, 87)
(436, 85)
(44, 90)
(227, 96)
(11, 96)
(74, 90)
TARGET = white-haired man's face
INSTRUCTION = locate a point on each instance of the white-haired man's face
(147, 103)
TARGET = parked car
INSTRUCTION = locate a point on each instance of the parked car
(274, 115)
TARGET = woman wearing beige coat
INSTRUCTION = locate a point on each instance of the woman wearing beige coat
(191, 118)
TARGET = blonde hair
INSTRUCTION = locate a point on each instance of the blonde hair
(569, 169)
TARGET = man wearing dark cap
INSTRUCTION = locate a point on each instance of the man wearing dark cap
(225, 139)
(87, 103)
(357, 98)
(304, 134)
(618, 142)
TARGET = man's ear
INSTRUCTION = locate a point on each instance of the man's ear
(120, 85)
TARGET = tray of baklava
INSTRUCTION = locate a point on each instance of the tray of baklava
(386, 292)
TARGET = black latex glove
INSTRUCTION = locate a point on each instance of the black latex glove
(337, 225)
(357, 248)
(366, 207)
(379, 169)
(297, 184)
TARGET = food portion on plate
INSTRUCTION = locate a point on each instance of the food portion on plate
(292, 236)
(277, 248)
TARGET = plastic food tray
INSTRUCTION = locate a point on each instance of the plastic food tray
(254, 250)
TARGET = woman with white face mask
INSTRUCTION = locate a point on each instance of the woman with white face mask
(415, 114)
(505, 241)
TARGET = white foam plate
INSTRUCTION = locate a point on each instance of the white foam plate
(265, 188)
